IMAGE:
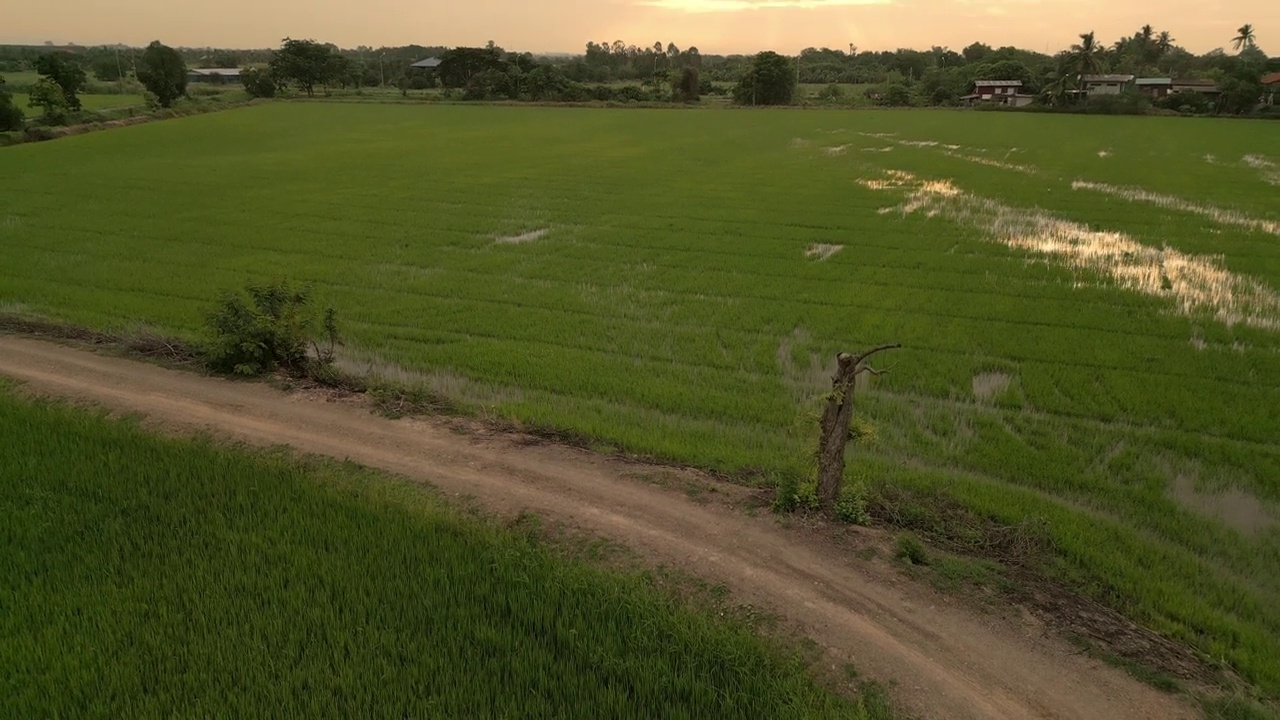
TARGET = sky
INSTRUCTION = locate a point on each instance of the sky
(714, 26)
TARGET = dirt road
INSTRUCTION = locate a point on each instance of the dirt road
(942, 660)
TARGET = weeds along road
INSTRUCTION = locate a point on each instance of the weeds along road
(941, 660)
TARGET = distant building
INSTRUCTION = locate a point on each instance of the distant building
(430, 63)
(213, 75)
(1155, 88)
(1207, 87)
(1106, 84)
(998, 92)
(1271, 88)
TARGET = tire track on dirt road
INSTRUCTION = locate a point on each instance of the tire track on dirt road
(942, 660)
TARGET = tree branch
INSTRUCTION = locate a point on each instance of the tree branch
(860, 358)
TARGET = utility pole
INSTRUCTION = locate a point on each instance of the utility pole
(119, 71)
(382, 73)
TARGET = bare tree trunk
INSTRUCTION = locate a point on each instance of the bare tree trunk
(836, 419)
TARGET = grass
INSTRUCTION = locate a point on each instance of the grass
(153, 577)
(671, 308)
(88, 102)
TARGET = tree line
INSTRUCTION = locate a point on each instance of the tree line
(617, 71)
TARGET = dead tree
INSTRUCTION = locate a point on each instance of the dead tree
(836, 421)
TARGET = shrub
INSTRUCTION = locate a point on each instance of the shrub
(831, 93)
(851, 507)
(686, 87)
(266, 327)
(11, 116)
(895, 95)
(785, 498)
(1190, 102)
(259, 82)
(793, 495)
(912, 550)
(1126, 103)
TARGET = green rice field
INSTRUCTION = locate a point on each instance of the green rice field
(149, 577)
(1089, 306)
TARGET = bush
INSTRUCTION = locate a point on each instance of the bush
(266, 327)
(1127, 103)
(831, 93)
(912, 550)
(851, 507)
(792, 494)
(259, 82)
(1189, 102)
(11, 116)
(895, 95)
(686, 87)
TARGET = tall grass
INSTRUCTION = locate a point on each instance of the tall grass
(150, 577)
(669, 307)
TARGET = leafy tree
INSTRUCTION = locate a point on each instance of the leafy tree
(686, 87)
(770, 81)
(106, 69)
(1244, 38)
(305, 63)
(459, 65)
(259, 82)
(66, 73)
(50, 97)
(976, 52)
(221, 59)
(1240, 83)
(11, 116)
(895, 95)
(1085, 57)
(163, 72)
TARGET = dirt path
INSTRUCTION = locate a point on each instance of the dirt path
(942, 660)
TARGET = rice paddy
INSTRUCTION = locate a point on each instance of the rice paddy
(1088, 306)
(150, 577)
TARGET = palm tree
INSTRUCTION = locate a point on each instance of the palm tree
(1085, 57)
(1245, 39)
(1164, 42)
(1146, 43)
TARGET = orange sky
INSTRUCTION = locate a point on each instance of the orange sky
(717, 26)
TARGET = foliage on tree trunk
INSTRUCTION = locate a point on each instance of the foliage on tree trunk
(837, 419)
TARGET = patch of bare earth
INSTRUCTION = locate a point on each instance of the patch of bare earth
(990, 384)
(941, 659)
(1232, 507)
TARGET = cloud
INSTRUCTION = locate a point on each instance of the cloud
(716, 6)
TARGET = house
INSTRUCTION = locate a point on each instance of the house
(430, 63)
(1154, 88)
(1271, 89)
(998, 92)
(1206, 87)
(213, 75)
(1106, 84)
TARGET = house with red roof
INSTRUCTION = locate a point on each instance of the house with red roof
(1271, 88)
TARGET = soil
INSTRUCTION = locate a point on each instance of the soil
(939, 657)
